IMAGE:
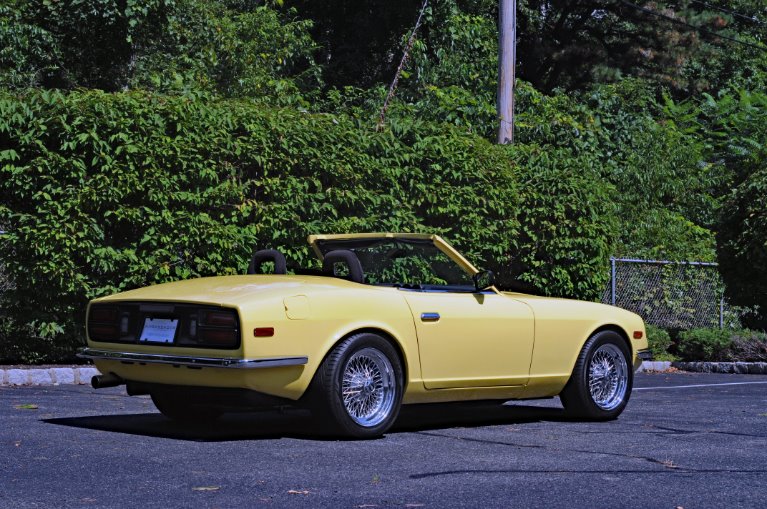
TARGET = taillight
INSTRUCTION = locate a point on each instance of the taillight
(218, 327)
(103, 323)
(220, 337)
(102, 314)
(220, 319)
(103, 332)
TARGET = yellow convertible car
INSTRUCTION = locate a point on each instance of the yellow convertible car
(389, 319)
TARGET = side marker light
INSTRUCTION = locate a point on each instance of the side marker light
(263, 332)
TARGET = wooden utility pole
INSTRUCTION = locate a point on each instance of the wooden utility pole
(507, 60)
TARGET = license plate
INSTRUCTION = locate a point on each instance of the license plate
(158, 330)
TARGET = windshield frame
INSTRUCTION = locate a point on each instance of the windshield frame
(322, 244)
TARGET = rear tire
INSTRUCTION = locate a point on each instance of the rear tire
(600, 385)
(357, 391)
(176, 409)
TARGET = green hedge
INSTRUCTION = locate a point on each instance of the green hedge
(660, 342)
(722, 345)
(107, 192)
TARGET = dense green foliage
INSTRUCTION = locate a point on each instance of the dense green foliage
(732, 132)
(743, 245)
(708, 344)
(235, 49)
(562, 44)
(106, 192)
(659, 341)
(704, 344)
(567, 225)
(636, 135)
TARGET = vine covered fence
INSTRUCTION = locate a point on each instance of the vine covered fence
(672, 295)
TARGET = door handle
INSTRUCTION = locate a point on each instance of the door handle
(430, 317)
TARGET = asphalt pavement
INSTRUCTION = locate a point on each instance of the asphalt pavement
(685, 440)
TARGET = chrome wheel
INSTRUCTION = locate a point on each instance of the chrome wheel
(368, 387)
(608, 377)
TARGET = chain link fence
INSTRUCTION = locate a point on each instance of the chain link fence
(672, 295)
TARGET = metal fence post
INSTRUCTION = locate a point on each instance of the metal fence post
(721, 312)
(612, 280)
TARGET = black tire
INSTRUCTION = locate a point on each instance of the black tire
(172, 407)
(370, 369)
(605, 362)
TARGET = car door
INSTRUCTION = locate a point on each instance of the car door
(471, 339)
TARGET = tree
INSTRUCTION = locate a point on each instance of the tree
(359, 39)
(234, 49)
(572, 43)
(742, 246)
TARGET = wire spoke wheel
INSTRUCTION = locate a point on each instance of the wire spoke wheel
(357, 390)
(368, 387)
(600, 384)
(608, 377)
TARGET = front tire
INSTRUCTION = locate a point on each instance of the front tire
(357, 391)
(601, 382)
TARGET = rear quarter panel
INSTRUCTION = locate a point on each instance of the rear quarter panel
(309, 316)
(328, 314)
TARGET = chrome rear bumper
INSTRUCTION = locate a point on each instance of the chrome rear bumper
(186, 360)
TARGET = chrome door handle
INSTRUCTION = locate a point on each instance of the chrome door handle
(429, 317)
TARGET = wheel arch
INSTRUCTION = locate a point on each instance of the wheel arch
(602, 328)
(614, 328)
(384, 334)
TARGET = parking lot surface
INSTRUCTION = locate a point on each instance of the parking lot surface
(685, 440)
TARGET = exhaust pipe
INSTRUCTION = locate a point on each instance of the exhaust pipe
(108, 380)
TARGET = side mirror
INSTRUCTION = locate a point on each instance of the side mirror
(483, 280)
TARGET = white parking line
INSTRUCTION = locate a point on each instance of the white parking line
(698, 385)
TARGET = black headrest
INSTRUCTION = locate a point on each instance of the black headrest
(349, 258)
(268, 255)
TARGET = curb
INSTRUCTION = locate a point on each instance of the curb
(741, 368)
(46, 376)
(654, 366)
(19, 377)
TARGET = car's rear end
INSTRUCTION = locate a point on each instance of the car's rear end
(191, 336)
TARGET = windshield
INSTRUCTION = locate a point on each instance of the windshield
(404, 263)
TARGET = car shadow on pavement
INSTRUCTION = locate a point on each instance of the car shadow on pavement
(299, 424)
(473, 415)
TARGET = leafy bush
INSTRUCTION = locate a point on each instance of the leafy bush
(704, 344)
(722, 345)
(659, 341)
(567, 223)
(106, 192)
(664, 194)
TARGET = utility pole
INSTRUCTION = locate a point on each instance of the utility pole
(507, 61)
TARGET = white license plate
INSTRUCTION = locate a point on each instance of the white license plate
(158, 330)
